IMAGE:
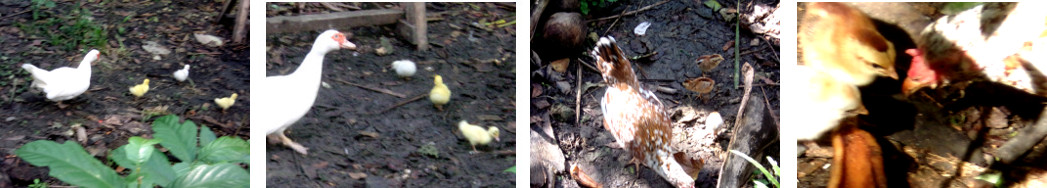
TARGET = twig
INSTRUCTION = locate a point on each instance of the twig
(15, 14)
(380, 90)
(643, 56)
(578, 97)
(403, 103)
(616, 20)
(631, 12)
(764, 84)
(745, 98)
(771, 47)
(765, 101)
(589, 66)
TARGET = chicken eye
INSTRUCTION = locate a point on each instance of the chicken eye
(877, 66)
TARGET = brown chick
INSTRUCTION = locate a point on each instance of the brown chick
(843, 42)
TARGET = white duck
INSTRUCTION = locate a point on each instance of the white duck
(63, 83)
(182, 74)
(285, 99)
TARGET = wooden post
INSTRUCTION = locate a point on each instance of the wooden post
(241, 21)
(414, 27)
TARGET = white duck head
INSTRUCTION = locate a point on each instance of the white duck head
(332, 40)
(90, 57)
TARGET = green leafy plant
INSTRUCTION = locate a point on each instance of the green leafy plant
(38, 184)
(589, 5)
(74, 27)
(204, 160)
(771, 178)
(510, 169)
(38, 5)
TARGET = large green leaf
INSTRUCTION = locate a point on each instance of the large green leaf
(140, 149)
(226, 149)
(181, 169)
(224, 175)
(206, 136)
(178, 138)
(70, 163)
(157, 168)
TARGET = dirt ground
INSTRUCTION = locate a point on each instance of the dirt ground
(354, 142)
(107, 111)
(680, 32)
(941, 137)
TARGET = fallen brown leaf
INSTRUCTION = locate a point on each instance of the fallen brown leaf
(583, 179)
(560, 65)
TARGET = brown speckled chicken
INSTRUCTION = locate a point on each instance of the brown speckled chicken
(637, 118)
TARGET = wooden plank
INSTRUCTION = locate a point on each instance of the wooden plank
(315, 22)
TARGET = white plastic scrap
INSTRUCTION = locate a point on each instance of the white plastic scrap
(642, 28)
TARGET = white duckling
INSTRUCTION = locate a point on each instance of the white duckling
(182, 74)
(404, 68)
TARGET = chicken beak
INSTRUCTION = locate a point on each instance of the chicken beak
(893, 74)
(348, 45)
(910, 86)
(862, 110)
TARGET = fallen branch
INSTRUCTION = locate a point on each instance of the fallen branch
(403, 103)
(380, 90)
(15, 14)
(631, 12)
(1026, 139)
(578, 98)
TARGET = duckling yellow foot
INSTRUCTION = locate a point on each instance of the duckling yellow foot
(441, 108)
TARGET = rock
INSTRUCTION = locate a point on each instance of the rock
(155, 48)
(564, 30)
(546, 159)
(209, 40)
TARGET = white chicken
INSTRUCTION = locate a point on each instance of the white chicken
(976, 44)
(182, 74)
(63, 83)
(404, 68)
(286, 98)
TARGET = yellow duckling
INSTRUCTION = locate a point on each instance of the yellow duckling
(476, 134)
(140, 89)
(440, 95)
(226, 102)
